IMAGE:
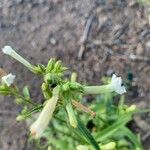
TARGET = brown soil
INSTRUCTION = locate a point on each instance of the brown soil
(41, 29)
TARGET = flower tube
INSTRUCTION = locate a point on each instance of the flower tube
(115, 85)
(39, 126)
(9, 51)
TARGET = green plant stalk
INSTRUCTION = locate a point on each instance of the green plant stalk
(34, 110)
(98, 89)
(143, 111)
(132, 137)
(102, 119)
(67, 133)
(113, 128)
(74, 130)
(17, 95)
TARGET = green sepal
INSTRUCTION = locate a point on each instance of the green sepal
(39, 69)
(46, 91)
(26, 92)
(50, 65)
(4, 90)
(57, 66)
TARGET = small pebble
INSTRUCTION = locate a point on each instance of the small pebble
(139, 49)
(52, 41)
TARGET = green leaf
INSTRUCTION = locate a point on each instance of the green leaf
(132, 137)
(86, 133)
(101, 136)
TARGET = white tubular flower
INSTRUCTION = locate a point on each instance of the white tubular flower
(117, 84)
(39, 126)
(8, 79)
(9, 51)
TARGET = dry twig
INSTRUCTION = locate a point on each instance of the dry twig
(84, 37)
(83, 108)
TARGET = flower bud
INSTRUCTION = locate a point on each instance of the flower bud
(82, 147)
(108, 146)
(71, 115)
(50, 65)
(131, 108)
(20, 118)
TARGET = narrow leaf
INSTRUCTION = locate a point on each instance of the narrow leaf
(86, 133)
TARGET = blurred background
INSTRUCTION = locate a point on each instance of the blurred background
(94, 38)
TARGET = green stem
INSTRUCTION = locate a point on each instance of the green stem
(34, 110)
(69, 135)
(73, 130)
(97, 89)
(26, 100)
(101, 136)
(132, 137)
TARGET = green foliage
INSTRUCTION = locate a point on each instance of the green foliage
(102, 128)
(69, 127)
(144, 2)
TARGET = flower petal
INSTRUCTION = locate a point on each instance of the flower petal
(7, 50)
(8, 79)
(39, 126)
(117, 84)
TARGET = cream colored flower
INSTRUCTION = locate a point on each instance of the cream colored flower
(8, 79)
(39, 126)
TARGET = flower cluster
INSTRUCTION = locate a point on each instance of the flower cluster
(59, 93)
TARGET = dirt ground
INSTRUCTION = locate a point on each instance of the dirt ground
(118, 40)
